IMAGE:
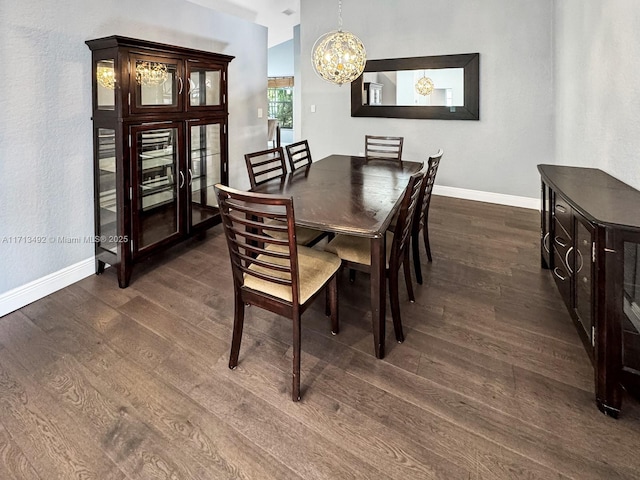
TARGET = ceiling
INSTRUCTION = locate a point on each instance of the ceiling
(279, 16)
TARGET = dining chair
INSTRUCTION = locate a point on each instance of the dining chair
(298, 154)
(272, 272)
(384, 148)
(265, 165)
(355, 252)
(270, 164)
(421, 222)
(273, 132)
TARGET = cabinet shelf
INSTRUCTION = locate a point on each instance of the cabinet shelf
(155, 144)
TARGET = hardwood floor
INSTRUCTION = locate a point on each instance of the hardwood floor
(492, 381)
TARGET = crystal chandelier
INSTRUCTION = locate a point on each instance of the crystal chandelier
(339, 56)
(106, 77)
(424, 86)
(151, 73)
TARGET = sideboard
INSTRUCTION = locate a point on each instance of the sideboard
(590, 240)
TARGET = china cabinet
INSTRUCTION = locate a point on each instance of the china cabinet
(160, 144)
(591, 242)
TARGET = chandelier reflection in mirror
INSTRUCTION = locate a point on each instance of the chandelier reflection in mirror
(105, 75)
(424, 86)
(151, 73)
(339, 56)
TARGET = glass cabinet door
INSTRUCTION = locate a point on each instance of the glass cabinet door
(584, 277)
(105, 87)
(205, 169)
(157, 84)
(156, 183)
(631, 307)
(106, 221)
(204, 85)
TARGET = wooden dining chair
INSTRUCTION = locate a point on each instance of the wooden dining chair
(421, 222)
(298, 154)
(355, 252)
(271, 272)
(270, 164)
(265, 165)
(383, 148)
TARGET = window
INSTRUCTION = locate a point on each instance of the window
(280, 96)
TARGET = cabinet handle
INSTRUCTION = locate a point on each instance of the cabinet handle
(181, 180)
(560, 208)
(190, 177)
(545, 242)
(555, 272)
(181, 85)
(560, 241)
(566, 260)
(579, 255)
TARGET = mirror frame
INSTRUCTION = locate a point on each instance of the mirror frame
(470, 62)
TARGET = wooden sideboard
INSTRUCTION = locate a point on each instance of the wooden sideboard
(590, 240)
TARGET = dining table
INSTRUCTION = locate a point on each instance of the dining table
(350, 195)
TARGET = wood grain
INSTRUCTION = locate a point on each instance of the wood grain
(491, 382)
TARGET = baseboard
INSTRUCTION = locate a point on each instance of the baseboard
(478, 196)
(32, 291)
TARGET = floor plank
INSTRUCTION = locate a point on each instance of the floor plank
(492, 381)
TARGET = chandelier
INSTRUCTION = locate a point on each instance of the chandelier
(339, 56)
(424, 86)
(151, 73)
(106, 76)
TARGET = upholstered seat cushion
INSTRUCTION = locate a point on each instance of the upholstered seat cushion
(356, 249)
(315, 267)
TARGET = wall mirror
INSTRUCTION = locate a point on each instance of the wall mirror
(443, 87)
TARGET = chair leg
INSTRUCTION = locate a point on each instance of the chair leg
(416, 256)
(332, 304)
(406, 266)
(352, 275)
(295, 388)
(238, 322)
(395, 304)
(425, 234)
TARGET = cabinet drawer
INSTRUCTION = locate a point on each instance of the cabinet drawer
(562, 213)
(563, 279)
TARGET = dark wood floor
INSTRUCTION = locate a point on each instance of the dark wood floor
(492, 381)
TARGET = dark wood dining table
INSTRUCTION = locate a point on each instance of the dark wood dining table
(346, 194)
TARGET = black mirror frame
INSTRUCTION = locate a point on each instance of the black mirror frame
(470, 62)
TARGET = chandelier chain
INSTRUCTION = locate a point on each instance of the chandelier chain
(339, 15)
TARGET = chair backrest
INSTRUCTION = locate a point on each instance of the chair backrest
(273, 131)
(427, 187)
(298, 154)
(265, 165)
(248, 219)
(385, 148)
(406, 215)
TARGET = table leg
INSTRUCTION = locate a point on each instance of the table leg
(378, 293)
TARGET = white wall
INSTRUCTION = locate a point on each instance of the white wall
(46, 169)
(597, 53)
(280, 60)
(497, 154)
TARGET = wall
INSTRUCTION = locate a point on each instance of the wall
(497, 154)
(280, 60)
(597, 54)
(46, 173)
(297, 89)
